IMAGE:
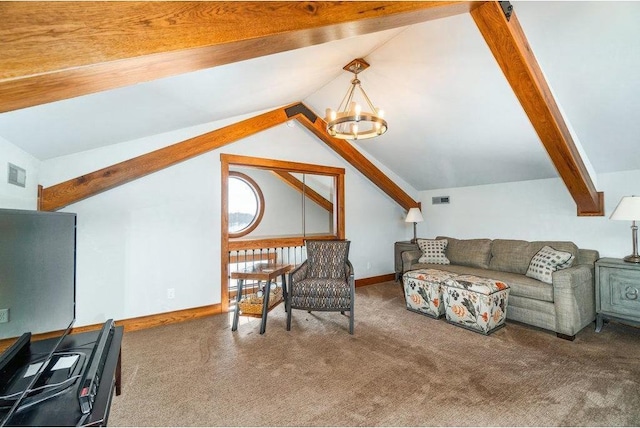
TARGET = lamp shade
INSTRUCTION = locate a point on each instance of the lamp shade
(414, 216)
(627, 209)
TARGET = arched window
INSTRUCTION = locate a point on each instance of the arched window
(246, 204)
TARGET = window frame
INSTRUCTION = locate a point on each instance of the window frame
(259, 198)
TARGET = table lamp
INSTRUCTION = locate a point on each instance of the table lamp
(414, 215)
(629, 209)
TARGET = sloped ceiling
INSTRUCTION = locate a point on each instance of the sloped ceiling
(453, 119)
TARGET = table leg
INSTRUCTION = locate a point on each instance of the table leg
(284, 291)
(265, 306)
(599, 323)
(236, 314)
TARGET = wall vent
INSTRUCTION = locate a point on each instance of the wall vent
(440, 200)
(17, 175)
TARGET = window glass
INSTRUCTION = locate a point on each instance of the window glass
(246, 204)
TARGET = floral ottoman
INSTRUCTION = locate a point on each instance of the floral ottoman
(476, 303)
(423, 291)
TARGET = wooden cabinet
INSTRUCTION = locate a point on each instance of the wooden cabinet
(399, 248)
(617, 291)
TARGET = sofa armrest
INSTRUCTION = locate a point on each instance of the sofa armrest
(409, 258)
(574, 298)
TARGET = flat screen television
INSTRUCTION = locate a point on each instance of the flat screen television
(37, 287)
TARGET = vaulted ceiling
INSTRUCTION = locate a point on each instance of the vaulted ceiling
(454, 119)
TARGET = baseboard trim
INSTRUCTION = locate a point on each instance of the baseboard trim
(165, 318)
(138, 323)
(362, 282)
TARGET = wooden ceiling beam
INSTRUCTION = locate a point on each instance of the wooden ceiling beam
(507, 41)
(319, 128)
(301, 187)
(74, 190)
(71, 191)
(58, 50)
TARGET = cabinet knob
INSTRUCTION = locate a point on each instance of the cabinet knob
(631, 293)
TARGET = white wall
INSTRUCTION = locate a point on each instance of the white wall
(163, 230)
(532, 210)
(12, 196)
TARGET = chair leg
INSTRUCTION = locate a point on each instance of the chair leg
(289, 318)
(351, 320)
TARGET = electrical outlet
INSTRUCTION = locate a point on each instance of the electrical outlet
(171, 293)
(4, 315)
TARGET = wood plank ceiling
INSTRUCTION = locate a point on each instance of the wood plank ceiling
(77, 48)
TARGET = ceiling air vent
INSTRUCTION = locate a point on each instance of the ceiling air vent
(17, 175)
(440, 200)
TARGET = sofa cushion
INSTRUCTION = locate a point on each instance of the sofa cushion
(546, 262)
(468, 252)
(509, 255)
(520, 285)
(433, 251)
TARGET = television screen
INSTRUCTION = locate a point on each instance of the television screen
(37, 272)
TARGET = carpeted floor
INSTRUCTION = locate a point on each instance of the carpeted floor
(400, 368)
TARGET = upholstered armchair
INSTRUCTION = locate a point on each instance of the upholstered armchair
(324, 282)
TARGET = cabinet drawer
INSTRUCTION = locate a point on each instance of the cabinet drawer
(620, 292)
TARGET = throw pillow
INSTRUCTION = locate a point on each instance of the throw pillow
(546, 261)
(433, 251)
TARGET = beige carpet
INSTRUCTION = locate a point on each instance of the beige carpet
(400, 368)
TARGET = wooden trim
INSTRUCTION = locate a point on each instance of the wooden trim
(339, 218)
(59, 50)
(77, 189)
(359, 161)
(256, 189)
(148, 321)
(39, 202)
(304, 189)
(275, 242)
(280, 165)
(228, 245)
(224, 233)
(138, 323)
(166, 318)
(510, 47)
(362, 282)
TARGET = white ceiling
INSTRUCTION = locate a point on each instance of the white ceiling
(453, 118)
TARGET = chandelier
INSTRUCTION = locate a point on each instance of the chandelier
(350, 121)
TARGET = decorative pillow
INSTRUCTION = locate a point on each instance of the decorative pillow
(546, 261)
(433, 251)
(327, 259)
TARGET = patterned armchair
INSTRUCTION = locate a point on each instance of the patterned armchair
(324, 282)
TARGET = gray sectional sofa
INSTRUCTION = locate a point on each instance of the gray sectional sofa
(566, 306)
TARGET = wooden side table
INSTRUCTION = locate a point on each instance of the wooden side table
(260, 272)
(398, 248)
(617, 291)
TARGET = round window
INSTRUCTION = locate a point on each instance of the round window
(246, 204)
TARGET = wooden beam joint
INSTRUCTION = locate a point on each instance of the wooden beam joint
(507, 9)
(301, 109)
